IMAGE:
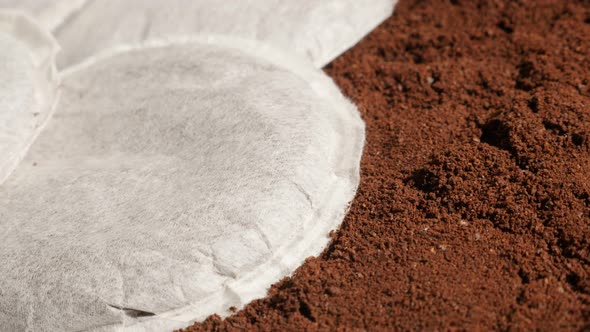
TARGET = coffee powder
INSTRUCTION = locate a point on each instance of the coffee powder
(474, 206)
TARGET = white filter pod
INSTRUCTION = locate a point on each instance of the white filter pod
(175, 180)
(50, 13)
(28, 86)
(317, 29)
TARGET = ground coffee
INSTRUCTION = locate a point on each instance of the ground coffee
(474, 205)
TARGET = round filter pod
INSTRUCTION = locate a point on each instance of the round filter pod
(50, 13)
(175, 181)
(317, 29)
(28, 86)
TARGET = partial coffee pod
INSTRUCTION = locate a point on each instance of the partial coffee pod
(319, 30)
(176, 180)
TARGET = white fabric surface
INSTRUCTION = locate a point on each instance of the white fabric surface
(176, 180)
(28, 84)
(317, 29)
(50, 13)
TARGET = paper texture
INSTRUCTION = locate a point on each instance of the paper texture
(28, 86)
(173, 182)
(317, 29)
(50, 13)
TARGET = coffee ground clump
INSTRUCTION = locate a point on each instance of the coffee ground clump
(474, 205)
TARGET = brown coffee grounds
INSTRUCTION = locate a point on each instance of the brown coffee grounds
(474, 207)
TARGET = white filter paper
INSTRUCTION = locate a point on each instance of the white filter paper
(317, 29)
(28, 85)
(50, 13)
(174, 181)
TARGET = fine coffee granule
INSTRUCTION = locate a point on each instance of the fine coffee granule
(474, 207)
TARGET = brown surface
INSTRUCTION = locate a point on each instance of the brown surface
(474, 207)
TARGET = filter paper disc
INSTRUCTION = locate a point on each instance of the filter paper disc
(320, 30)
(174, 181)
